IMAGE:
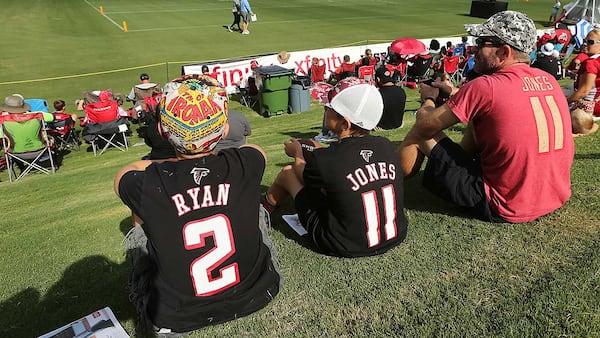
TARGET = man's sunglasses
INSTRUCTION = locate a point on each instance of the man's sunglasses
(591, 42)
(488, 42)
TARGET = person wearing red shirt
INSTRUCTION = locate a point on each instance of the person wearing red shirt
(514, 162)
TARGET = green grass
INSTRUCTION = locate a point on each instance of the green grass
(61, 252)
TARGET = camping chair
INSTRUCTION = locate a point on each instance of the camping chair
(26, 144)
(140, 108)
(104, 127)
(420, 68)
(249, 94)
(451, 68)
(62, 131)
(366, 73)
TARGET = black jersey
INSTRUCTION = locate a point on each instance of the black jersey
(201, 220)
(363, 203)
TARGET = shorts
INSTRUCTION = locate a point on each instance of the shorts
(456, 176)
(311, 206)
(245, 16)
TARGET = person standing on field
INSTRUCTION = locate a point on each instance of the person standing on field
(245, 12)
(236, 16)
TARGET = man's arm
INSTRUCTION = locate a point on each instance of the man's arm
(585, 84)
(427, 131)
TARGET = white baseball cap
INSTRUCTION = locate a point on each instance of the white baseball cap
(356, 100)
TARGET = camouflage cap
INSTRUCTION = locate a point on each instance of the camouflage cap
(514, 28)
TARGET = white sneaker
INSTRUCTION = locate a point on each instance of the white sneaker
(246, 32)
(330, 137)
(229, 29)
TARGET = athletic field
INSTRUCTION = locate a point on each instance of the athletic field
(61, 252)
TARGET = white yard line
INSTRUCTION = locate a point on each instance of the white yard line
(104, 15)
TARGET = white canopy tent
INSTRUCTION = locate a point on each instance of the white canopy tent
(582, 9)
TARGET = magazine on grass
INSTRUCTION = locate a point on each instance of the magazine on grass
(99, 324)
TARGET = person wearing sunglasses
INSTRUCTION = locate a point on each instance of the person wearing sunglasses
(513, 163)
(587, 82)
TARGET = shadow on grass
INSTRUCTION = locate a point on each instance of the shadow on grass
(594, 156)
(85, 286)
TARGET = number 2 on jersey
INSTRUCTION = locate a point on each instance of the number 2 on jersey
(372, 214)
(194, 236)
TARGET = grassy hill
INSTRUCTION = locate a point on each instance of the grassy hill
(61, 251)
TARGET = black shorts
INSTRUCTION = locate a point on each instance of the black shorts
(311, 206)
(456, 176)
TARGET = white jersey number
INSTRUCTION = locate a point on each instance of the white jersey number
(194, 235)
(372, 214)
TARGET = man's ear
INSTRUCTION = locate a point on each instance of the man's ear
(504, 51)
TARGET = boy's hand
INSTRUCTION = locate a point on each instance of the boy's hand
(292, 148)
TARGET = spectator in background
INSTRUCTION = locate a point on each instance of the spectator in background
(346, 69)
(554, 12)
(236, 16)
(394, 100)
(546, 61)
(245, 12)
(239, 129)
(368, 59)
(317, 70)
(60, 108)
(573, 67)
(144, 84)
(172, 263)
(587, 84)
(15, 104)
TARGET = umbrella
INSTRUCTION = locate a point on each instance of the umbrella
(406, 46)
(582, 28)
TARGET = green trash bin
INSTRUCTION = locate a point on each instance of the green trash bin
(273, 83)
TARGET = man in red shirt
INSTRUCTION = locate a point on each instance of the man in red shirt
(513, 164)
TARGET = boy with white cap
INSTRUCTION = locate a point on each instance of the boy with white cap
(349, 196)
(208, 257)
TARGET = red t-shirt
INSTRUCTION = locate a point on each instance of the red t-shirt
(591, 65)
(523, 129)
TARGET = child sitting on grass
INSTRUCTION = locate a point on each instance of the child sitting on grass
(349, 196)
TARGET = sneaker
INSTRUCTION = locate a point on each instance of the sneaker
(229, 29)
(328, 138)
(246, 32)
(264, 217)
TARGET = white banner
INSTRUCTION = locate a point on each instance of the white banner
(232, 73)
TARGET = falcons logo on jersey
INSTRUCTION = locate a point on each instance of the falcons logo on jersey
(366, 155)
(199, 173)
